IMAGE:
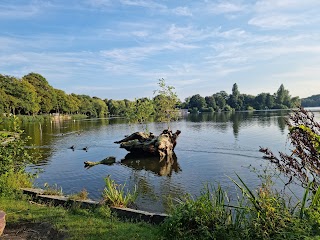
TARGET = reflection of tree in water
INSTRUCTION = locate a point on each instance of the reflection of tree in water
(282, 122)
(164, 167)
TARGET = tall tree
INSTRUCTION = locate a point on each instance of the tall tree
(282, 95)
(45, 92)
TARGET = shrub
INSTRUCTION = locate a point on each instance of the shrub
(14, 157)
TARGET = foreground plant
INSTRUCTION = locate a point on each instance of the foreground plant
(52, 189)
(82, 195)
(206, 217)
(263, 213)
(14, 157)
(303, 164)
(115, 194)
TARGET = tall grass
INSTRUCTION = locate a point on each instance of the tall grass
(263, 213)
(115, 194)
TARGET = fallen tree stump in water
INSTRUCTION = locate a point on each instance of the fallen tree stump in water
(147, 143)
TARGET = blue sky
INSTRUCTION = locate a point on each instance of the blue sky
(120, 48)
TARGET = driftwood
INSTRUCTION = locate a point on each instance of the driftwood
(106, 161)
(149, 144)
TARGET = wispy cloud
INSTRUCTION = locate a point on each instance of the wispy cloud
(273, 14)
(226, 7)
(277, 21)
(11, 11)
(140, 53)
(182, 11)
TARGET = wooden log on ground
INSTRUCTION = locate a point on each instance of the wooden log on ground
(146, 143)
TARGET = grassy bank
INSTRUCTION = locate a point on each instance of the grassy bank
(76, 223)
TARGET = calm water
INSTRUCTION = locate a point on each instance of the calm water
(210, 148)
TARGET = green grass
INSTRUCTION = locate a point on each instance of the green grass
(78, 223)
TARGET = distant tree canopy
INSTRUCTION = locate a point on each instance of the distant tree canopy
(313, 101)
(32, 94)
(221, 101)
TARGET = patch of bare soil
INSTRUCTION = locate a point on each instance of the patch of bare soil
(31, 231)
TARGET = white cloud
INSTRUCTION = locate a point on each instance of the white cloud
(182, 11)
(278, 21)
(226, 7)
(285, 5)
(20, 11)
(139, 53)
(143, 3)
(284, 14)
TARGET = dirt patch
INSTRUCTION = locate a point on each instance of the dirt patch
(18, 231)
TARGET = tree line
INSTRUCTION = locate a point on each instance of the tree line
(33, 95)
(313, 101)
(221, 101)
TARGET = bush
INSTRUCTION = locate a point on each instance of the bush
(14, 157)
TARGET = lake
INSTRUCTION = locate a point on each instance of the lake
(211, 148)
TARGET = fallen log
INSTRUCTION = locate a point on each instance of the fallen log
(106, 161)
(146, 143)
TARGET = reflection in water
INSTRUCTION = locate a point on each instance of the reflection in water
(240, 119)
(163, 167)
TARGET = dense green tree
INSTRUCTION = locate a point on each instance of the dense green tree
(86, 106)
(117, 107)
(45, 92)
(260, 101)
(235, 100)
(30, 102)
(282, 95)
(74, 103)
(220, 98)
(197, 101)
(270, 101)
(211, 102)
(248, 101)
(63, 102)
(139, 110)
(100, 107)
(12, 88)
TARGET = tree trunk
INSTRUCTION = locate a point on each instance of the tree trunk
(146, 143)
